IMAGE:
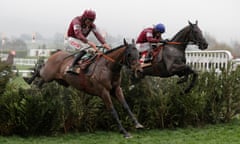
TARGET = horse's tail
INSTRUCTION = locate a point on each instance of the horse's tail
(36, 72)
(53, 52)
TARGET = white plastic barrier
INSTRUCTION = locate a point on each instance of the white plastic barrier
(209, 60)
(198, 60)
(23, 61)
(23, 73)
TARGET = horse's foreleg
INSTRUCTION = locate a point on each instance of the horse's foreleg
(108, 102)
(192, 83)
(121, 99)
(182, 80)
(40, 83)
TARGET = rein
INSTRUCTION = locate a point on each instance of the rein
(179, 43)
(105, 56)
(193, 41)
(98, 51)
(174, 43)
(110, 59)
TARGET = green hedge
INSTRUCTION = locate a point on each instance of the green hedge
(157, 102)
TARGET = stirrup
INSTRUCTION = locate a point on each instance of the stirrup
(71, 70)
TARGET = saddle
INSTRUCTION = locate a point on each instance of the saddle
(153, 53)
(84, 63)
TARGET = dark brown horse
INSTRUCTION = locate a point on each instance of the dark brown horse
(102, 78)
(172, 61)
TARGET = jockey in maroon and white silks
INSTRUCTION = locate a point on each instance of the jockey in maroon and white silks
(77, 33)
(81, 26)
(147, 37)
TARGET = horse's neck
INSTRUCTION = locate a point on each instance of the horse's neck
(116, 55)
(182, 37)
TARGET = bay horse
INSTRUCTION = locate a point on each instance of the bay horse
(170, 60)
(102, 78)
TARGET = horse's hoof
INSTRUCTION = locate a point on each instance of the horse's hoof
(72, 72)
(139, 126)
(127, 136)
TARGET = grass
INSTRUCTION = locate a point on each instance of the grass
(24, 67)
(211, 134)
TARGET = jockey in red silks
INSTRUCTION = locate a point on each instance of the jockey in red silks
(78, 30)
(148, 37)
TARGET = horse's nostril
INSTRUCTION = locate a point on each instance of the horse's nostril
(205, 45)
(139, 70)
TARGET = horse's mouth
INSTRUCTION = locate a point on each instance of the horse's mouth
(137, 70)
(203, 46)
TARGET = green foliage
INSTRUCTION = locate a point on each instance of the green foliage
(159, 103)
(156, 102)
(5, 75)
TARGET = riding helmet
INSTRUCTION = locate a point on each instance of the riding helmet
(89, 14)
(160, 28)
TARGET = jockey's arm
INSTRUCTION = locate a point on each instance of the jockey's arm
(101, 39)
(92, 44)
(78, 33)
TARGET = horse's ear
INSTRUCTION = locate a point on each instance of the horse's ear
(125, 42)
(133, 42)
(196, 22)
(190, 23)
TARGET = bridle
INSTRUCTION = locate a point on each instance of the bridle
(126, 60)
(192, 40)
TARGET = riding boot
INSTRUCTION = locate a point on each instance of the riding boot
(143, 56)
(148, 57)
(77, 57)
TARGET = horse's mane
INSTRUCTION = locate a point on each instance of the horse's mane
(180, 32)
(111, 50)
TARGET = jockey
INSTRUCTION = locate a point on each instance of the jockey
(148, 37)
(78, 30)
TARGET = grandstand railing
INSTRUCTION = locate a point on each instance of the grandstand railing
(198, 60)
(209, 60)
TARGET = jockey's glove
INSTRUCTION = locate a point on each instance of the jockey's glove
(164, 41)
(91, 51)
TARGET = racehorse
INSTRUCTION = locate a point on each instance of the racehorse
(169, 60)
(102, 77)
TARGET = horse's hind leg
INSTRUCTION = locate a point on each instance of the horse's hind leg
(121, 99)
(186, 72)
(182, 80)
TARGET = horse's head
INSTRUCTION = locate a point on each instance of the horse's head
(196, 36)
(131, 58)
(191, 33)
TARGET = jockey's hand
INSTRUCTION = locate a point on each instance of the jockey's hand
(106, 46)
(91, 51)
(164, 41)
(93, 45)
